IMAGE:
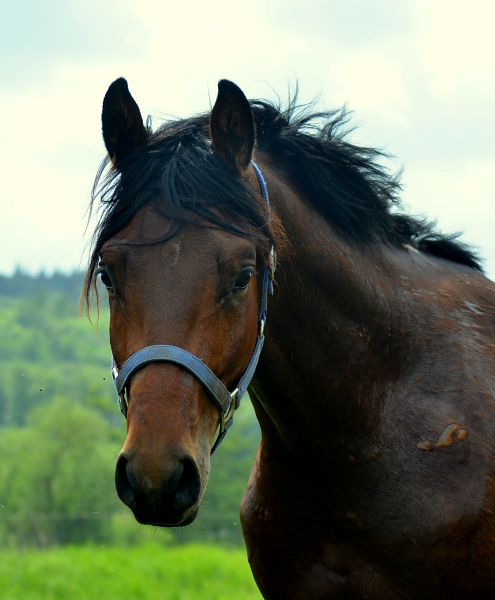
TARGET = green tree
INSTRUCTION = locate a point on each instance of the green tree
(48, 350)
(56, 477)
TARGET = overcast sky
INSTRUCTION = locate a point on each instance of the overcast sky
(418, 74)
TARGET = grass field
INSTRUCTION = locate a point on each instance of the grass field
(152, 571)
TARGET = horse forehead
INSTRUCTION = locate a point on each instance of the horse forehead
(149, 225)
(193, 247)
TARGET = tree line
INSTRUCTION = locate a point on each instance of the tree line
(61, 431)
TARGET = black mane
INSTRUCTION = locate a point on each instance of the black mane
(344, 182)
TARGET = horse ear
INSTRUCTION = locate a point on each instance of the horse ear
(232, 127)
(122, 123)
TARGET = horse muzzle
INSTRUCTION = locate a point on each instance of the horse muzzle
(168, 497)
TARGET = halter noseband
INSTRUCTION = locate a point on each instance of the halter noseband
(227, 402)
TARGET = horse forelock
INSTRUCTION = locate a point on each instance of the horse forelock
(178, 171)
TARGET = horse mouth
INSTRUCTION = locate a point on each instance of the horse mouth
(162, 515)
(180, 523)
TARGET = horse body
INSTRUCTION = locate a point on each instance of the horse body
(374, 390)
(386, 358)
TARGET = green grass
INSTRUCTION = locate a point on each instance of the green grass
(152, 571)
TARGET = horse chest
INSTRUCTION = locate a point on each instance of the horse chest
(396, 523)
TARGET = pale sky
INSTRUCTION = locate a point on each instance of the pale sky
(418, 74)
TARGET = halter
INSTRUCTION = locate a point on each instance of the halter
(227, 402)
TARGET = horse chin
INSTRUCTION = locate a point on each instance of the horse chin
(168, 520)
(183, 523)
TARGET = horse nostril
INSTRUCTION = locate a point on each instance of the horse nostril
(188, 486)
(122, 483)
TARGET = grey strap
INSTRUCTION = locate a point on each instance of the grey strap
(218, 392)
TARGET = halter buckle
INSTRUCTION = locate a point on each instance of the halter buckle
(122, 403)
(225, 418)
(262, 328)
(272, 262)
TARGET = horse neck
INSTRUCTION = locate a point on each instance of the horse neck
(333, 320)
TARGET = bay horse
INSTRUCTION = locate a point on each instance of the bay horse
(375, 387)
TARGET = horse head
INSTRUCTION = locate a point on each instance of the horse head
(184, 278)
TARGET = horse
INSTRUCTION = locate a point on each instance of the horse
(254, 246)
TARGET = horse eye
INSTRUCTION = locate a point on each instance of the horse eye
(105, 278)
(243, 279)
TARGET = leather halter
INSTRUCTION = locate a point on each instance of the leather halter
(227, 402)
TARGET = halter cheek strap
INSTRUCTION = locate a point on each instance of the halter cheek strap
(227, 402)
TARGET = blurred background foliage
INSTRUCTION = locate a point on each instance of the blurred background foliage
(61, 431)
